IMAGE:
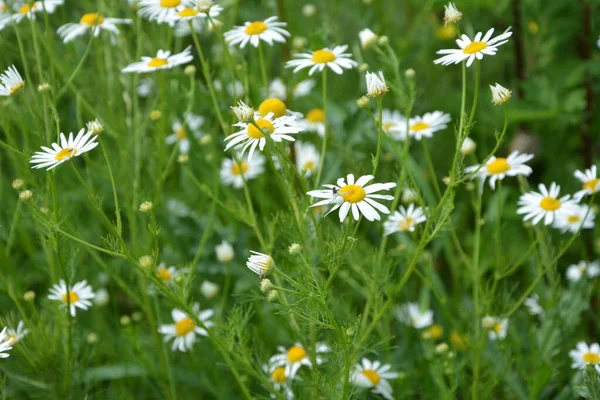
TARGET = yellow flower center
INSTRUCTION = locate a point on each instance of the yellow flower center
(12, 340)
(188, 12)
(475, 47)
(236, 170)
(296, 354)
(406, 224)
(387, 126)
(65, 153)
(498, 166)
(265, 126)
(550, 204)
(372, 376)
(181, 134)
(184, 327)
(419, 126)
(169, 3)
(164, 274)
(92, 19)
(434, 332)
(278, 375)
(15, 89)
(275, 106)
(352, 193)
(323, 56)
(591, 358)
(309, 165)
(72, 299)
(26, 8)
(316, 115)
(256, 28)
(2, 8)
(573, 219)
(591, 184)
(157, 62)
(497, 327)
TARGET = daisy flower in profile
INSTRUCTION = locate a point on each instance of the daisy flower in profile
(349, 195)
(412, 315)
(374, 375)
(281, 379)
(533, 305)
(15, 335)
(500, 94)
(393, 124)
(296, 356)
(314, 121)
(584, 355)
(496, 327)
(5, 344)
(158, 10)
(68, 149)
(180, 134)
(91, 22)
(579, 218)
(335, 59)
(184, 330)
(576, 271)
(591, 184)
(249, 137)
(163, 60)
(376, 85)
(166, 274)
(500, 167)
(78, 295)
(404, 220)
(427, 124)
(545, 205)
(231, 171)
(308, 158)
(470, 50)
(24, 10)
(259, 263)
(243, 112)
(11, 82)
(451, 14)
(269, 31)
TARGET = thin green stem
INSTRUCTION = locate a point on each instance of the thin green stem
(263, 68)
(324, 143)
(379, 134)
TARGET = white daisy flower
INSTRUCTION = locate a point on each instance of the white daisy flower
(167, 274)
(533, 305)
(269, 31)
(468, 147)
(584, 355)
(500, 94)
(209, 289)
(335, 59)
(581, 217)
(225, 252)
(314, 121)
(184, 330)
(376, 85)
(91, 22)
(11, 82)
(95, 127)
(296, 356)
(14, 336)
(160, 11)
(412, 315)
(163, 60)
(303, 88)
(78, 295)
(393, 124)
(193, 10)
(497, 168)
(308, 158)
(576, 271)
(545, 205)
(281, 380)
(591, 184)
(260, 263)
(349, 195)
(278, 89)
(470, 50)
(68, 149)
(231, 171)
(250, 137)
(497, 328)
(404, 220)
(367, 38)
(451, 14)
(243, 112)
(5, 344)
(24, 10)
(374, 375)
(180, 134)
(426, 125)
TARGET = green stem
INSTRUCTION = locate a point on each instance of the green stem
(114, 188)
(75, 71)
(431, 167)
(379, 134)
(263, 68)
(324, 143)
(476, 94)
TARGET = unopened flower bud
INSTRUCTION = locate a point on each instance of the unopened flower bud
(362, 68)
(137, 316)
(146, 262)
(362, 102)
(409, 73)
(190, 70)
(209, 289)
(29, 295)
(95, 127)
(367, 38)
(383, 41)
(146, 207)
(309, 10)
(205, 139)
(25, 195)
(272, 296)
(125, 320)
(266, 285)
(299, 42)
(500, 94)
(446, 180)
(468, 147)
(224, 252)
(441, 348)
(17, 184)
(44, 87)
(294, 249)
(92, 338)
(183, 158)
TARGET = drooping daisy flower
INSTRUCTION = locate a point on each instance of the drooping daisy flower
(426, 125)
(15, 335)
(11, 82)
(269, 31)
(404, 220)
(281, 380)
(250, 137)
(412, 315)
(160, 11)
(225, 252)
(367, 38)
(24, 10)
(349, 195)
(545, 205)
(68, 149)
(167, 274)
(180, 133)
(260, 263)
(591, 184)
(184, 330)
(498, 168)
(376, 85)
(576, 271)
(451, 14)
(231, 171)
(393, 124)
(5, 344)
(581, 217)
(584, 355)
(78, 295)
(163, 60)
(308, 158)
(314, 121)
(533, 305)
(91, 22)
(335, 59)
(296, 356)
(500, 94)
(496, 327)
(470, 50)
(243, 112)
(374, 375)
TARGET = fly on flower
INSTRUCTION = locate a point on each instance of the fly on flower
(335, 59)
(163, 60)
(68, 148)
(269, 31)
(470, 50)
(91, 22)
